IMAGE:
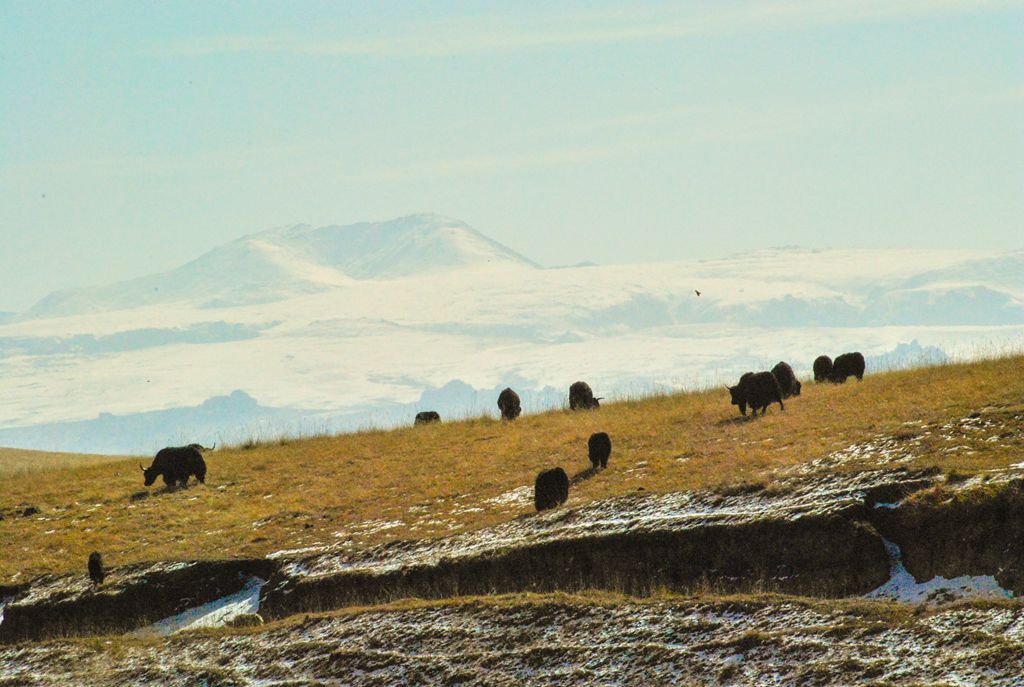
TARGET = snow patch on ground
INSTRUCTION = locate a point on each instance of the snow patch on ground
(213, 614)
(519, 495)
(903, 587)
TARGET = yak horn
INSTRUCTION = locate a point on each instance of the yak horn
(142, 468)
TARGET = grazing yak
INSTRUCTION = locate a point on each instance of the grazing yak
(551, 489)
(846, 365)
(176, 464)
(599, 447)
(758, 390)
(581, 397)
(508, 403)
(788, 382)
(427, 416)
(96, 571)
(822, 368)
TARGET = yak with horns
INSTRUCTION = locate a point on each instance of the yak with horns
(176, 464)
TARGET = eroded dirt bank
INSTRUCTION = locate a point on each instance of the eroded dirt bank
(566, 641)
(131, 597)
(804, 535)
(810, 535)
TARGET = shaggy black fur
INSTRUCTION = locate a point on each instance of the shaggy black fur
(551, 489)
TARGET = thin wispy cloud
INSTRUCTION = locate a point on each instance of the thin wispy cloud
(500, 34)
(671, 130)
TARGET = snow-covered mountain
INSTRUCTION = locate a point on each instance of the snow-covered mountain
(292, 261)
(359, 324)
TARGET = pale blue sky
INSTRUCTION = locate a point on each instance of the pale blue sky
(135, 136)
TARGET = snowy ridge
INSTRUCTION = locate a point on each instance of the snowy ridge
(292, 261)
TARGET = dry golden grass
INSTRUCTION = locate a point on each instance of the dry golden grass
(437, 479)
(18, 461)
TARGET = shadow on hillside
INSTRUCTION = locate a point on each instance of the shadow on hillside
(583, 476)
(738, 420)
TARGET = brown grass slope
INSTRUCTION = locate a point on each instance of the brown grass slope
(439, 479)
(17, 461)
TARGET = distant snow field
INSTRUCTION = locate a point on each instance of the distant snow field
(356, 326)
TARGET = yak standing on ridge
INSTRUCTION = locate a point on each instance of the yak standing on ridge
(788, 382)
(847, 365)
(508, 404)
(758, 390)
(822, 368)
(426, 417)
(96, 571)
(551, 489)
(599, 447)
(582, 398)
(176, 464)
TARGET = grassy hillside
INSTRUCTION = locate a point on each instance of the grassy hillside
(18, 461)
(439, 479)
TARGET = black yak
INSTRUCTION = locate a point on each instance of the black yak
(176, 464)
(427, 416)
(846, 365)
(599, 447)
(96, 571)
(551, 489)
(508, 403)
(822, 368)
(758, 390)
(581, 397)
(788, 382)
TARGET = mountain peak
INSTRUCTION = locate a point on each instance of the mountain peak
(298, 259)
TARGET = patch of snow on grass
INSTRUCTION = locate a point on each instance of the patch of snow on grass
(516, 496)
(213, 614)
(903, 587)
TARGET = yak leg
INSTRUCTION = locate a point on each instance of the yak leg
(781, 407)
(743, 408)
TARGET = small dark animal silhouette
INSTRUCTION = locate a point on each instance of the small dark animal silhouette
(847, 365)
(176, 464)
(427, 416)
(96, 571)
(822, 368)
(508, 404)
(551, 489)
(788, 382)
(758, 390)
(581, 397)
(696, 292)
(599, 447)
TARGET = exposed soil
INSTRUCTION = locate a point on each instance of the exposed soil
(806, 535)
(130, 597)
